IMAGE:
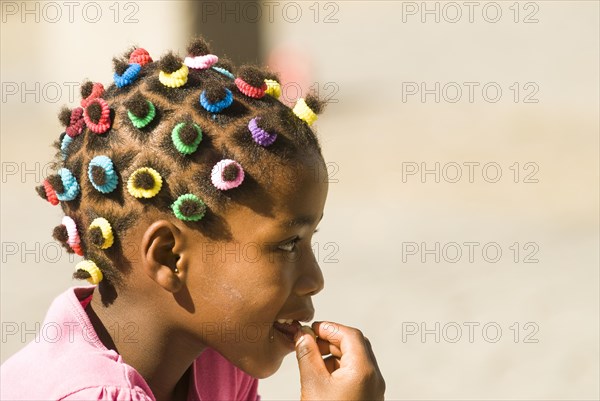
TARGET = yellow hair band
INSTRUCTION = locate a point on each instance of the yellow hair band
(106, 230)
(145, 182)
(303, 112)
(90, 267)
(175, 79)
(273, 88)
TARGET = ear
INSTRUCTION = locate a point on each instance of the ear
(161, 253)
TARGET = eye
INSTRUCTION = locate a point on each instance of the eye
(289, 246)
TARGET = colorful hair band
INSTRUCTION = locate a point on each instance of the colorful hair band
(189, 207)
(227, 174)
(76, 122)
(140, 56)
(224, 72)
(303, 112)
(201, 62)
(100, 233)
(249, 90)
(145, 182)
(92, 269)
(141, 122)
(47, 192)
(102, 175)
(97, 91)
(73, 235)
(71, 188)
(273, 88)
(260, 136)
(99, 121)
(64, 145)
(218, 106)
(186, 137)
(175, 79)
(128, 76)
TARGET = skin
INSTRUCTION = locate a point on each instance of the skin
(185, 292)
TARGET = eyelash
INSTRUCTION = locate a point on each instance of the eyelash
(293, 243)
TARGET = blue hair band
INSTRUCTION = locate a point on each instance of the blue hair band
(69, 183)
(64, 145)
(218, 106)
(224, 72)
(110, 176)
(128, 76)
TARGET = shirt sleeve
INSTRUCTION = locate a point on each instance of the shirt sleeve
(108, 393)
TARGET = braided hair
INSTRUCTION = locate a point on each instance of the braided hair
(184, 136)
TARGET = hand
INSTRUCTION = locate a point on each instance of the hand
(349, 373)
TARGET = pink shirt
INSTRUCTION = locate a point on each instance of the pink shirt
(69, 362)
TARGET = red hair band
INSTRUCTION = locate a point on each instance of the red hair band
(249, 90)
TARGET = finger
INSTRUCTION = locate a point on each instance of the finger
(327, 348)
(350, 341)
(310, 361)
(370, 349)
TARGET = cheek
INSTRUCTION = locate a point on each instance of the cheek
(236, 290)
(235, 314)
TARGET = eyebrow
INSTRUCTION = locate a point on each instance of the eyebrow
(300, 221)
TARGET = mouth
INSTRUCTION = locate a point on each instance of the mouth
(290, 323)
(287, 327)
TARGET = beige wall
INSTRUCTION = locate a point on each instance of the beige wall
(376, 211)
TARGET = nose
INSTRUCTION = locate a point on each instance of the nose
(310, 281)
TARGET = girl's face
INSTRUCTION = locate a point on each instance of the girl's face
(267, 271)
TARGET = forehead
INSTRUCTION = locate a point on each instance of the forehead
(294, 196)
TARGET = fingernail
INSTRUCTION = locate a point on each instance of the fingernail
(308, 330)
(300, 334)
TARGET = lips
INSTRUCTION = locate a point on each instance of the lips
(289, 330)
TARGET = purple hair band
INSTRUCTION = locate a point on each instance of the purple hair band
(260, 136)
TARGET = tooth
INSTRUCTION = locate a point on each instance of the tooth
(289, 321)
(281, 321)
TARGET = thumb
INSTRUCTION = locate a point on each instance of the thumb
(310, 362)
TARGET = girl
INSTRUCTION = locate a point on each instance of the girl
(193, 193)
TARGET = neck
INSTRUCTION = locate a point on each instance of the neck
(138, 331)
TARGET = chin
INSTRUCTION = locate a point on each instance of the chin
(258, 368)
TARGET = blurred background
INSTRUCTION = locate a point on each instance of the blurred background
(462, 141)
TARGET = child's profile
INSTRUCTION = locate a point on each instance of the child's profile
(164, 176)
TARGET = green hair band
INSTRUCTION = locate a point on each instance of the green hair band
(142, 122)
(189, 207)
(184, 145)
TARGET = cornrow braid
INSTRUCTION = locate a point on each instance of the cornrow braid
(182, 136)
